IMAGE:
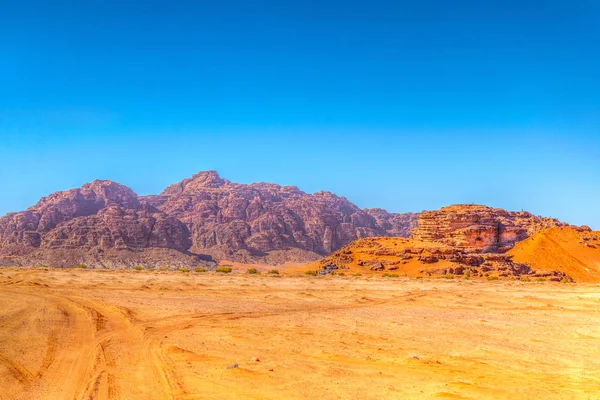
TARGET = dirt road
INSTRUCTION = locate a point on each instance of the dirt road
(75, 334)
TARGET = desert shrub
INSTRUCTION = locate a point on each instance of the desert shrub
(492, 278)
(525, 279)
(200, 269)
(183, 269)
(138, 268)
(163, 268)
(311, 273)
(274, 272)
(81, 266)
(419, 277)
(467, 274)
(389, 275)
(448, 276)
(225, 269)
(357, 274)
(252, 271)
(566, 279)
(341, 273)
(541, 279)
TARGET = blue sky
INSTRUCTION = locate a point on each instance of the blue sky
(401, 105)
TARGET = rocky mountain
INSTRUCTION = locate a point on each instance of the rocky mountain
(265, 221)
(100, 217)
(199, 220)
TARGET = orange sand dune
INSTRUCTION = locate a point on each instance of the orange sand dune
(573, 251)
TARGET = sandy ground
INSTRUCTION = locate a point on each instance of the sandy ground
(77, 334)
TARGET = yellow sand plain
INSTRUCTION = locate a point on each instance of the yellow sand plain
(79, 334)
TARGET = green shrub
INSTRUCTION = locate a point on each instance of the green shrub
(200, 269)
(225, 269)
(389, 275)
(252, 271)
(138, 268)
(183, 270)
(82, 266)
(274, 272)
(492, 278)
(448, 276)
(311, 273)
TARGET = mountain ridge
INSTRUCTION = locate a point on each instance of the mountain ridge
(200, 219)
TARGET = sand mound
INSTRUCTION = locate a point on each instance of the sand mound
(574, 251)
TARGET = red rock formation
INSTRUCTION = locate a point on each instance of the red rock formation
(394, 224)
(203, 215)
(97, 217)
(480, 227)
(246, 222)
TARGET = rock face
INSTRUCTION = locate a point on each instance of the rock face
(400, 225)
(204, 217)
(101, 214)
(482, 228)
(98, 217)
(249, 222)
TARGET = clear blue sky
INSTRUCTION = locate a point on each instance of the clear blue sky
(403, 105)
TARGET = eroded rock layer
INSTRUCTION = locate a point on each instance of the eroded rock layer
(480, 227)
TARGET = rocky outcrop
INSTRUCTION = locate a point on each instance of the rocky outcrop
(201, 218)
(479, 227)
(417, 258)
(99, 217)
(101, 214)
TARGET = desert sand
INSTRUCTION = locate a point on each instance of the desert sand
(574, 252)
(83, 334)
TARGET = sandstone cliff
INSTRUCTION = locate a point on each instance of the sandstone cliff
(480, 227)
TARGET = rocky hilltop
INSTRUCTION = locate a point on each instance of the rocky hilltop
(102, 221)
(269, 222)
(470, 240)
(197, 221)
(482, 228)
